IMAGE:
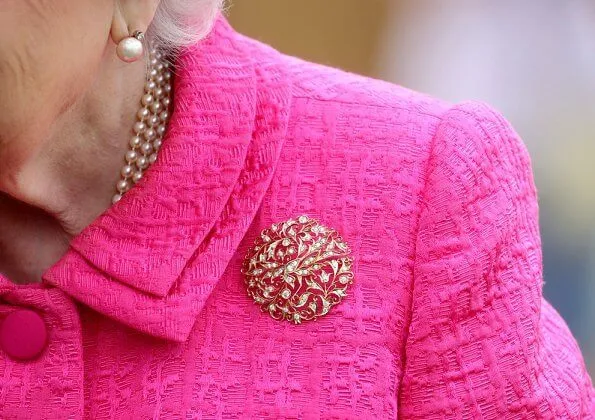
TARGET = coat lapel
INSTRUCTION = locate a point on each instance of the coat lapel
(152, 259)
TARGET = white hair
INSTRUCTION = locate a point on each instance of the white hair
(180, 23)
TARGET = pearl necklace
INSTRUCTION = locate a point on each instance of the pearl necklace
(149, 129)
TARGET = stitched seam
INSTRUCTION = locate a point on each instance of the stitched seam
(389, 107)
(431, 158)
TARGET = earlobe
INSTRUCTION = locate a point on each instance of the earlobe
(119, 29)
(130, 16)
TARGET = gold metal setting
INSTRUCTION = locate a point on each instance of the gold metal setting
(298, 270)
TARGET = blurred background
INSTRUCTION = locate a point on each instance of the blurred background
(533, 61)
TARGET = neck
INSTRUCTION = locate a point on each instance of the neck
(72, 175)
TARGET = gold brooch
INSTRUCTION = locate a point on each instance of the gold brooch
(298, 269)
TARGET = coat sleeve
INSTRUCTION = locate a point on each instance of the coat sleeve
(482, 342)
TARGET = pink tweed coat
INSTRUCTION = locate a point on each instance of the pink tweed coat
(148, 317)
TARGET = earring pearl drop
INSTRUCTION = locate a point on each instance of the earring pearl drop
(130, 48)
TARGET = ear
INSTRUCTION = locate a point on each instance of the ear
(130, 16)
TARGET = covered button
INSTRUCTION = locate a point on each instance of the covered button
(23, 334)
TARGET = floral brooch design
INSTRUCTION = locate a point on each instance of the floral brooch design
(298, 269)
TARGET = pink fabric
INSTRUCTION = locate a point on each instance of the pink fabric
(148, 316)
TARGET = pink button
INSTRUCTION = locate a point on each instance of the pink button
(23, 334)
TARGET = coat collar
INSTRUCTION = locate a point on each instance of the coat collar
(152, 259)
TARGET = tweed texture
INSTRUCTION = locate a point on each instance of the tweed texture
(148, 315)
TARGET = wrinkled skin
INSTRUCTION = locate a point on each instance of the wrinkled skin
(67, 104)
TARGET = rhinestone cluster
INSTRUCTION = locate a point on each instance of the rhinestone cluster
(149, 129)
(298, 270)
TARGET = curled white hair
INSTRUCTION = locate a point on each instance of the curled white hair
(180, 23)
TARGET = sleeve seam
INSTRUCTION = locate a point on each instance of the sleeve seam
(426, 172)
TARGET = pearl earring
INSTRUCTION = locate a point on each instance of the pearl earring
(130, 48)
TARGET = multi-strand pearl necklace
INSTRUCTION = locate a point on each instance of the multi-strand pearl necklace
(149, 129)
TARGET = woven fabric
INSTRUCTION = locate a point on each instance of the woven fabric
(148, 315)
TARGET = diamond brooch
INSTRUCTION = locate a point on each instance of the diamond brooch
(298, 269)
